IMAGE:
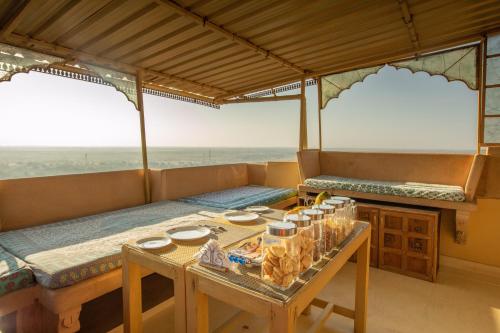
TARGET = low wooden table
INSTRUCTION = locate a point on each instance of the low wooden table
(246, 291)
(172, 263)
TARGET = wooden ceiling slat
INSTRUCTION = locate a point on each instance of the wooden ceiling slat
(119, 25)
(16, 18)
(61, 12)
(126, 44)
(318, 44)
(224, 32)
(156, 44)
(87, 22)
(234, 59)
(41, 11)
(344, 27)
(354, 46)
(247, 22)
(306, 48)
(245, 73)
(247, 69)
(240, 83)
(81, 37)
(154, 57)
(341, 53)
(272, 82)
(190, 59)
(287, 25)
(177, 55)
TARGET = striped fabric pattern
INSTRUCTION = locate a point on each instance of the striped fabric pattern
(241, 197)
(403, 189)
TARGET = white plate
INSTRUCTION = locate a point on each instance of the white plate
(241, 217)
(154, 243)
(257, 209)
(188, 233)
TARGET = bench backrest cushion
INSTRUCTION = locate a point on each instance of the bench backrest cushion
(445, 169)
(170, 184)
(35, 201)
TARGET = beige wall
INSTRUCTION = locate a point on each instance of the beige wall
(447, 169)
(483, 237)
(170, 184)
(32, 201)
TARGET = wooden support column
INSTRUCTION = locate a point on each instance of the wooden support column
(320, 107)
(481, 82)
(303, 116)
(140, 106)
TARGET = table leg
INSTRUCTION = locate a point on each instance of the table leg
(180, 301)
(196, 306)
(282, 320)
(132, 297)
(361, 299)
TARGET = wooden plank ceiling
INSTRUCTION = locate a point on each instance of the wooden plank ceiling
(216, 49)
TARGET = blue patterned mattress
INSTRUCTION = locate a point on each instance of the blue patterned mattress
(14, 273)
(242, 197)
(64, 253)
(407, 189)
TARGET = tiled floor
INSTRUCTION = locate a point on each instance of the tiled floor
(458, 302)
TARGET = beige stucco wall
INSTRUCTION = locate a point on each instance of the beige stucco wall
(483, 238)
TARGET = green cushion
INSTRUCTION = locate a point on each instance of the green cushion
(407, 189)
(14, 273)
(64, 253)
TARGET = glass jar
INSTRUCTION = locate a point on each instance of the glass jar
(354, 214)
(328, 227)
(339, 221)
(305, 234)
(317, 221)
(280, 249)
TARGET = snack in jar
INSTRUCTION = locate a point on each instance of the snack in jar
(305, 234)
(338, 222)
(280, 250)
(328, 226)
(317, 221)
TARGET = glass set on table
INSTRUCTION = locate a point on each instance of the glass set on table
(291, 247)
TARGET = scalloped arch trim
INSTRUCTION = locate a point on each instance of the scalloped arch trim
(454, 65)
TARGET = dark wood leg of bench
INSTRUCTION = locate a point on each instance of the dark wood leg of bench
(64, 322)
(461, 222)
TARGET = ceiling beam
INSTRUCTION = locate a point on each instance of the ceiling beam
(15, 19)
(204, 22)
(408, 21)
(61, 51)
(262, 99)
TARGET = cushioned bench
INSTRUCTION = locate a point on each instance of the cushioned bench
(404, 189)
(14, 273)
(446, 181)
(242, 197)
(230, 186)
(64, 253)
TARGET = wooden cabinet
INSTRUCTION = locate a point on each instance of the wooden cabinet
(370, 214)
(404, 240)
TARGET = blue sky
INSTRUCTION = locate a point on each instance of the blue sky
(392, 110)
